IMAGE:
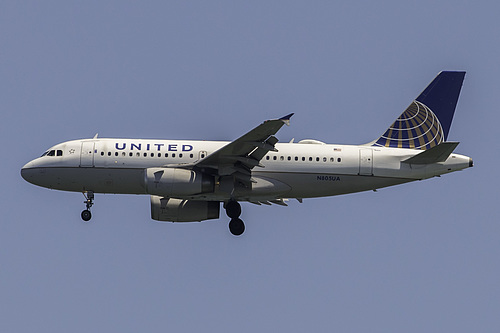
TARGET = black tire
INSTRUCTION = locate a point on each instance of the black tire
(233, 209)
(236, 226)
(86, 215)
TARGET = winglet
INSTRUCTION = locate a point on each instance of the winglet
(286, 119)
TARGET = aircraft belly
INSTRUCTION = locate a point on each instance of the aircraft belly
(310, 185)
(98, 180)
(303, 185)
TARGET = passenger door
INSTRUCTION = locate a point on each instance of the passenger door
(87, 154)
(366, 162)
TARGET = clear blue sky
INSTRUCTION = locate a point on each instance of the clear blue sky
(421, 257)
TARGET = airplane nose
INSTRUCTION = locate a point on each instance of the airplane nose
(471, 163)
(28, 172)
(25, 172)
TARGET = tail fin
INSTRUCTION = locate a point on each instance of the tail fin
(427, 121)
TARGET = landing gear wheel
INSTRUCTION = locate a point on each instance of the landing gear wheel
(89, 201)
(86, 215)
(233, 209)
(236, 226)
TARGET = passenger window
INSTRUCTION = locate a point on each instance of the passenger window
(180, 155)
(310, 159)
(152, 154)
(123, 154)
(102, 153)
(275, 158)
(332, 159)
(130, 154)
(289, 158)
(339, 160)
(138, 154)
(116, 153)
(317, 159)
(191, 155)
(109, 153)
(145, 154)
(166, 154)
(173, 154)
(282, 158)
(303, 158)
(296, 158)
(267, 158)
(159, 154)
(324, 159)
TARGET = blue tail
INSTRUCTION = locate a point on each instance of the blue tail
(427, 121)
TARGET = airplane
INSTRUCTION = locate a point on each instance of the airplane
(188, 180)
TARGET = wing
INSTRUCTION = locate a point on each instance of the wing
(233, 162)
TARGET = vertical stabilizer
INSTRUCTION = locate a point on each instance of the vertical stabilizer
(427, 121)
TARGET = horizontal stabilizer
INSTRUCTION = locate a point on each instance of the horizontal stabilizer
(435, 154)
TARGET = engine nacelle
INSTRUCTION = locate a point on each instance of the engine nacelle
(176, 210)
(176, 182)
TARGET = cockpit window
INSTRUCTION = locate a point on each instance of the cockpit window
(53, 153)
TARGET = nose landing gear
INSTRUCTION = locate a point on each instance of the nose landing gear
(233, 210)
(89, 198)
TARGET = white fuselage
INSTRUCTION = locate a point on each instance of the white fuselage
(297, 170)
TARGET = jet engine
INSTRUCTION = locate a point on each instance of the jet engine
(177, 210)
(176, 182)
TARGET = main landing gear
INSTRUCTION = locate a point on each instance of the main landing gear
(233, 210)
(89, 198)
